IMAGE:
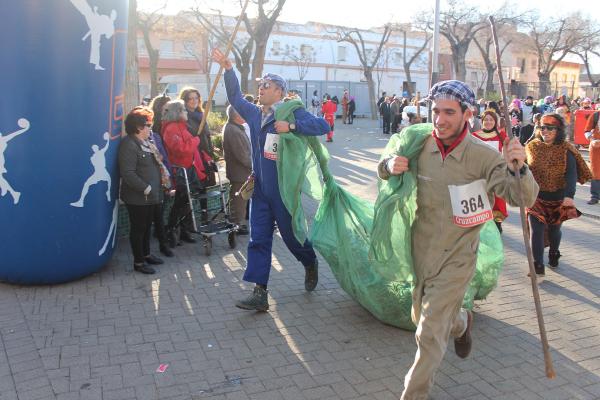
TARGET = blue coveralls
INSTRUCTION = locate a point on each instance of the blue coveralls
(266, 205)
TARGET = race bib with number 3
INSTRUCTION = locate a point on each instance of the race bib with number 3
(470, 204)
(271, 146)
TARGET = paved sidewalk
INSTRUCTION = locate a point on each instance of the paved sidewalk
(104, 336)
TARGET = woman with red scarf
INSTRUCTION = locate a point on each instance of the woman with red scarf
(182, 149)
(493, 137)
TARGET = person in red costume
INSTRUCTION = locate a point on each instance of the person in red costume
(329, 109)
(493, 137)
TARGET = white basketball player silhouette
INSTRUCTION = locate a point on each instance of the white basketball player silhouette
(99, 25)
(100, 174)
(112, 231)
(4, 185)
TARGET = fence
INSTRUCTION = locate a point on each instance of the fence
(359, 90)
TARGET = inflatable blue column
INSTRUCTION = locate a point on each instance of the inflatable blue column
(62, 78)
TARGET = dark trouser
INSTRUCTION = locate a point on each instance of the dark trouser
(351, 117)
(595, 189)
(159, 223)
(180, 212)
(525, 133)
(140, 225)
(537, 238)
(386, 124)
(395, 122)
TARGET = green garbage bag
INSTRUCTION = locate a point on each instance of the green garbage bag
(355, 236)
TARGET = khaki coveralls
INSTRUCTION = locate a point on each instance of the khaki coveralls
(445, 254)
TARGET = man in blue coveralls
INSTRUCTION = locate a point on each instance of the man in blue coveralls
(266, 206)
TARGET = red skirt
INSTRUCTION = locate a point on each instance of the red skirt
(552, 212)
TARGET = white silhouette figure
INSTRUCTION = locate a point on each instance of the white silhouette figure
(100, 174)
(112, 231)
(99, 25)
(4, 185)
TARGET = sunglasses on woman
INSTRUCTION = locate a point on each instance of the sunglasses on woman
(549, 128)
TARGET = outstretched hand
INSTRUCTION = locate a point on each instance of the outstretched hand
(221, 59)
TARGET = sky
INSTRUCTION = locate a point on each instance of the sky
(377, 13)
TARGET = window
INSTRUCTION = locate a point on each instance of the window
(166, 48)
(189, 46)
(398, 57)
(564, 78)
(276, 49)
(521, 64)
(306, 51)
(341, 53)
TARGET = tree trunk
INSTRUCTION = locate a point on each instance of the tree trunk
(458, 58)
(544, 83)
(257, 64)
(132, 83)
(153, 57)
(491, 70)
(244, 72)
(409, 85)
(368, 72)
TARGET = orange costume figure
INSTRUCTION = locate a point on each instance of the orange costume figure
(329, 109)
(494, 138)
(592, 133)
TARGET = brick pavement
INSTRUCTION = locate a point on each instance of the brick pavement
(104, 336)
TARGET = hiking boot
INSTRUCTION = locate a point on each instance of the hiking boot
(311, 276)
(463, 344)
(553, 257)
(144, 269)
(540, 271)
(593, 201)
(153, 260)
(258, 300)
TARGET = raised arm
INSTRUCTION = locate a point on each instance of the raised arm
(24, 124)
(308, 124)
(232, 85)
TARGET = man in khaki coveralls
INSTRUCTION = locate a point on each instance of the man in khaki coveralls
(444, 241)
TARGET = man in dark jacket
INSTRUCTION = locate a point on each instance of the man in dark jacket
(238, 165)
(267, 207)
(386, 114)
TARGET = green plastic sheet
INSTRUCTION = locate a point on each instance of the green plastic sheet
(368, 246)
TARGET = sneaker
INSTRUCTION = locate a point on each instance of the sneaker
(144, 269)
(553, 257)
(311, 277)
(242, 230)
(593, 201)
(258, 300)
(463, 344)
(153, 260)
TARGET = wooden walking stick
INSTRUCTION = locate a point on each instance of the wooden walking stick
(216, 82)
(534, 286)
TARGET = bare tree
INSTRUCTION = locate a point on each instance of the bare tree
(407, 60)
(552, 40)
(132, 83)
(221, 28)
(459, 23)
(589, 47)
(382, 67)
(146, 23)
(368, 58)
(260, 29)
(302, 57)
(484, 43)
